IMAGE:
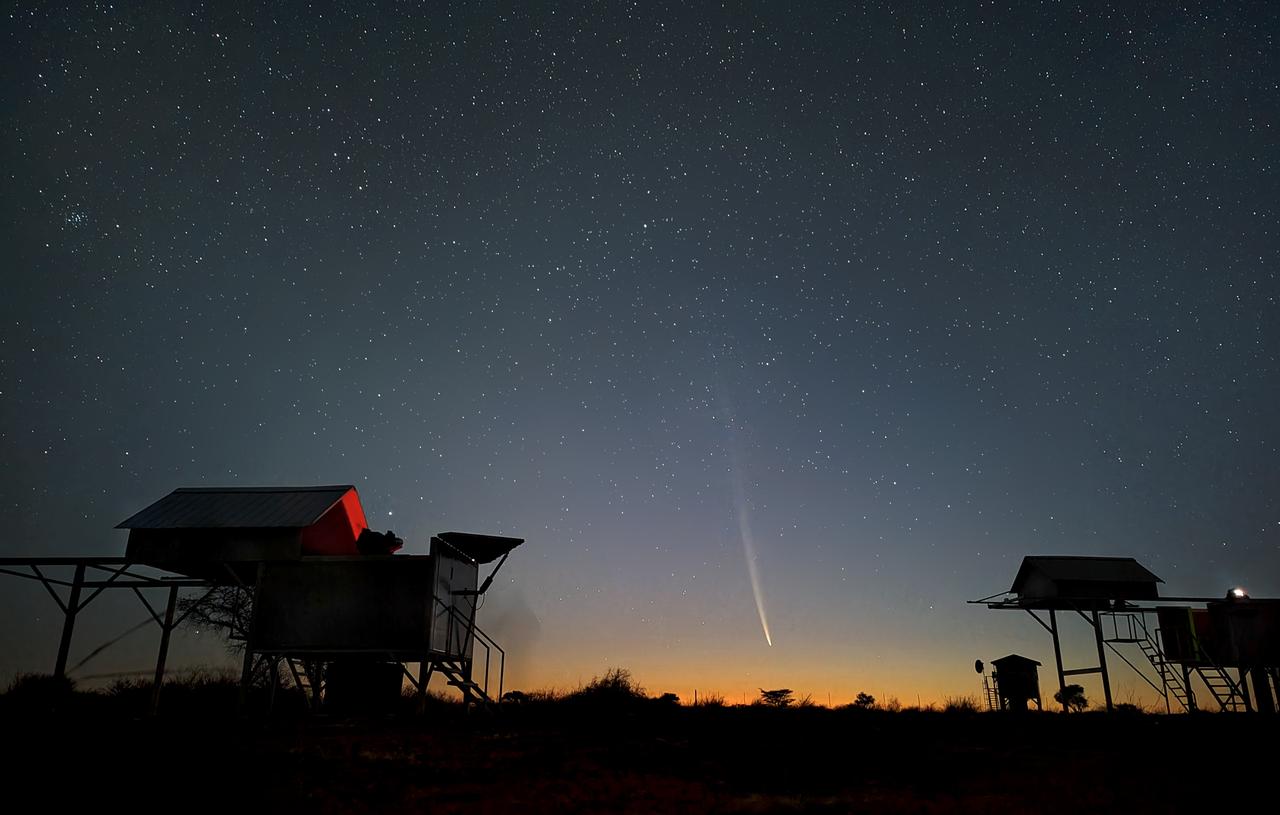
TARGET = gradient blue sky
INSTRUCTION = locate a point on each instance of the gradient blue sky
(908, 293)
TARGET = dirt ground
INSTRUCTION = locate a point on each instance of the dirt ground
(647, 758)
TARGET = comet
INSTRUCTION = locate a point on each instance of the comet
(743, 510)
(749, 550)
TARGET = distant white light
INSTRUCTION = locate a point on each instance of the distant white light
(1238, 594)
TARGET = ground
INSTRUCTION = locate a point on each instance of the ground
(633, 757)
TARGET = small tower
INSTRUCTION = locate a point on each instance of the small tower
(1017, 681)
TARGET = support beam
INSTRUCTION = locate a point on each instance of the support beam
(274, 662)
(1244, 690)
(246, 672)
(69, 623)
(1262, 691)
(1057, 655)
(166, 628)
(316, 670)
(1039, 621)
(1102, 659)
(424, 678)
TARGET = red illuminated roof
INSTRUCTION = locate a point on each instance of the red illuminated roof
(238, 508)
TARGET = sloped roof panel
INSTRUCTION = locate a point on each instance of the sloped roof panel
(1062, 568)
(1014, 659)
(480, 548)
(237, 508)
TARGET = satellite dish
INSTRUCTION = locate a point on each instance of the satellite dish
(977, 665)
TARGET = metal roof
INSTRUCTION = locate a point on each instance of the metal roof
(1083, 569)
(238, 508)
(480, 548)
(1014, 659)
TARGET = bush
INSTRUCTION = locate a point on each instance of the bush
(782, 697)
(1072, 698)
(197, 691)
(616, 686)
(960, 704)
(34, 694)
(39, 689)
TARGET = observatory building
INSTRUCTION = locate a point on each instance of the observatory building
(326, 589)
(1187, 648)
(1082, 582)
(330, 599)
(1017, 682)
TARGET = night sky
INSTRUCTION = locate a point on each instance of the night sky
(890, 296)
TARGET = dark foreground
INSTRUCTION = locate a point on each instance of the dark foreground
(644, 757)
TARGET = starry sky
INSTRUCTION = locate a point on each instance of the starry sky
(873, 298)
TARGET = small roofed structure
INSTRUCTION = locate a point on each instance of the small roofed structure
(1017, 682)
(1075, 582)
(200, 531)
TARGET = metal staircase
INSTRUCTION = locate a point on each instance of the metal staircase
(458, 674)
(991, 692)
(1223, 689)
(308, 677)
(457, 662)
(1171, 678)
(1128, 627)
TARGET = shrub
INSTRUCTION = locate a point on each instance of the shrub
(781, 697)
(39, 684)
(1072, 698)
(35, 694)
(38, 689)
(616, 686)
(960, 704)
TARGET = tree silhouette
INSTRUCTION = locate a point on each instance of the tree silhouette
(864, 701)
(227, 610)
(776, 698)
(1072, 698)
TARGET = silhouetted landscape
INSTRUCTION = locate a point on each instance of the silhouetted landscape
(419, 364)
(609, 748)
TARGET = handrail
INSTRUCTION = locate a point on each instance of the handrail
(476, 634)
(1135, 624)
(1140, 674)
(487, 641)
(1221, 673)
(1234, 690)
